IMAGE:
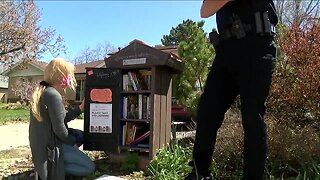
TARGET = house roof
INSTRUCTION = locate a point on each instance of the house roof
(172, 50)
(138, 50)
(38, 64)
(138, 41)
(41, 64)
(169, 49)
(81, 68)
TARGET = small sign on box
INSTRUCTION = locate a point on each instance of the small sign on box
(90, 72)
(134, 61)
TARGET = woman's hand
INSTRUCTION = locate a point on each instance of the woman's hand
(81, 106)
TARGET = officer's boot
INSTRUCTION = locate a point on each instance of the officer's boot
(195, 175)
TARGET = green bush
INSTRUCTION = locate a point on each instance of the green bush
(14, 106)
(131, 162)
(295, 88)
(293, 153)
(81, 116)
(171, 162)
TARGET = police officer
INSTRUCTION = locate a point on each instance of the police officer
(244, 63)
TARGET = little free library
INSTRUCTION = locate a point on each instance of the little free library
(128, 104)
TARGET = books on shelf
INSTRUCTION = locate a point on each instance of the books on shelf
(130, 132)
(135, 133)
(132, 81)
(136, 106)
(140, 138)
(136, 80)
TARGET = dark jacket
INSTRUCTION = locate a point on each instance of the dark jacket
(40, 134)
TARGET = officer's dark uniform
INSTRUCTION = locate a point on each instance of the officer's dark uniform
(244, 63)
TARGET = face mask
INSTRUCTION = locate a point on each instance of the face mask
(66, 81)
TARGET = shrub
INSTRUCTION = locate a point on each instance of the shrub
(295, 91)
(81, 116)
(130, 162)
(171, 162)
(293, 153)
(16, 106)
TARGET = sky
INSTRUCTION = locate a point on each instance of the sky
(86, 23)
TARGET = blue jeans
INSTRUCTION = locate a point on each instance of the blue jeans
(76, 162)
(78, 134)
(242, 67)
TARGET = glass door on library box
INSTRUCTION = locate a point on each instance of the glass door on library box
(135, 107)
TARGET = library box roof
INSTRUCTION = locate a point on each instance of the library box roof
(140, 55)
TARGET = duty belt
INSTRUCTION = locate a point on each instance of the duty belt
(237, 32)
(260, 27)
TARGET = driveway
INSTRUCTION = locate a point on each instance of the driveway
(15, 135)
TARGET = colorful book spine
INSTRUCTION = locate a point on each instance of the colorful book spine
(140, 138)
(132, 81)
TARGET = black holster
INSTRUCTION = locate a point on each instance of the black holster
(214, 38)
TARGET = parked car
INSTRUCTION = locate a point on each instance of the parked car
(181, 117)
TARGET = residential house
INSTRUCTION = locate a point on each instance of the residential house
(34, 71)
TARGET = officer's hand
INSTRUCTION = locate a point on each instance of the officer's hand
(210, 7)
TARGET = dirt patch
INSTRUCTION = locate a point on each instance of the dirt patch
(15, 161)
(15, 153)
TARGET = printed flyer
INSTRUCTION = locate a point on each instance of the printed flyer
(100, 118)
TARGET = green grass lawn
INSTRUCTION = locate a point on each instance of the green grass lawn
(8, 116)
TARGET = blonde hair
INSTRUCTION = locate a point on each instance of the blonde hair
(54, 73)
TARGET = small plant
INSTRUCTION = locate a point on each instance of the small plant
(171, 162)
(130, 162)
(15, 106)
(81, 116)
(138, 175)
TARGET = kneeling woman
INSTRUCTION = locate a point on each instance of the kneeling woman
(53, 147)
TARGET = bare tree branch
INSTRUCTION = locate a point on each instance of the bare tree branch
(92, 54)
(12, 50)
(297, 12)
(21, 38)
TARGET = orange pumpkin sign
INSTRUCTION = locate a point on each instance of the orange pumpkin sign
(101, 95)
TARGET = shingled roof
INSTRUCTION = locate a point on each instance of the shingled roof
(81, 68)
(40, 64)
